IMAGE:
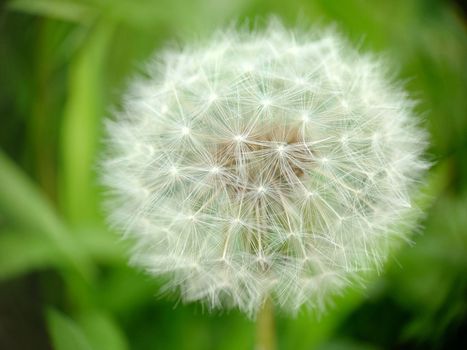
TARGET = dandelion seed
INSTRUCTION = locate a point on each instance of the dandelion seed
(185, 130)
(212, 97)
(214, 170)
(266, 102)
(280, 149)
(262, 202)
(239, 138)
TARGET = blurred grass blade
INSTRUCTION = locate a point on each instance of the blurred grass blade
(65, 333)
(25, 208)
(39, 252)
(102, 332)
(307, 331)
(103, 246)
(81, 124)
(36, 253)
(58, 9)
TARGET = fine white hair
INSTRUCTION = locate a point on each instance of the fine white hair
(273, 163)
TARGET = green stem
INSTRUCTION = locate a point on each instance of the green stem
(266, 330)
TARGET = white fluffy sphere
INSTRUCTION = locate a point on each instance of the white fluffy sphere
(269, 164)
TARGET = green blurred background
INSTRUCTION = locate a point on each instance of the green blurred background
(64, 281)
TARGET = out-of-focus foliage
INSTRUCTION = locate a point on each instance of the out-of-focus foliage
(64, 280)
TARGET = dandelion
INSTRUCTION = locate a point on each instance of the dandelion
(275, 164)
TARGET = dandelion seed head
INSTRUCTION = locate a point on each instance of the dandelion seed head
(248, 167)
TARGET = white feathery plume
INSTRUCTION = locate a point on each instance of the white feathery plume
(276, 164)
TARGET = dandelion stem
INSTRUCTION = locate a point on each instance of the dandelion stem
(265, 327)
